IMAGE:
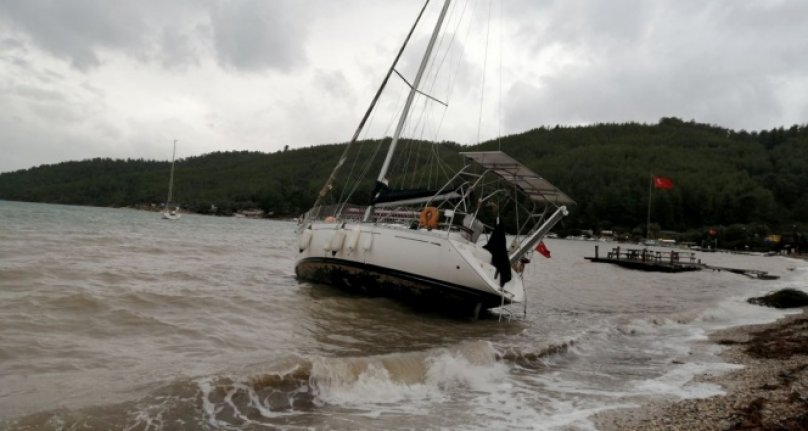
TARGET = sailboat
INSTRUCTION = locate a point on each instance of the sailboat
(171, 212)
(459, 248)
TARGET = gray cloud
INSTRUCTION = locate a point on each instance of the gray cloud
(179, 49)
(8, 44)
(717, 62)
(76, 29)
(256, 34)
(334, 84)
(37, 94)
(244, 34)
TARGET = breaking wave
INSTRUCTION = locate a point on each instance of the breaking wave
(289, 393)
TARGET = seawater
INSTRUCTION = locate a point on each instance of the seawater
(117, 319)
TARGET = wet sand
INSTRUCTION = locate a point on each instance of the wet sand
(770, 392)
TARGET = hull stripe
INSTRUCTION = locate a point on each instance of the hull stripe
(381, 281)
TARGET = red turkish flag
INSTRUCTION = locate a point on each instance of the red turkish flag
(663, 183)
(542, 249)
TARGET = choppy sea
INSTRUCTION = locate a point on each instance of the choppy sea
(116, 319)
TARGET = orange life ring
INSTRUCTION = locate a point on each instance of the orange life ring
(429, 218)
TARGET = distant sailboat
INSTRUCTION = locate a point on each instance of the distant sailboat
(169, 212)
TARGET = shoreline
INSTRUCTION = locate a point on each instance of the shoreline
(770, 392)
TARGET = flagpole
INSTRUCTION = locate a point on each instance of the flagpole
(648, 221)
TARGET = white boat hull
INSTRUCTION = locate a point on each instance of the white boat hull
(432, 269)
(170, 216)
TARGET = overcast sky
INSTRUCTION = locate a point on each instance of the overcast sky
(122, 79)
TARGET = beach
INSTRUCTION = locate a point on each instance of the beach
(769, 392)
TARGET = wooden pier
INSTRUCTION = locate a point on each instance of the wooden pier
(650, 260)
(668, 261)
(751, 273)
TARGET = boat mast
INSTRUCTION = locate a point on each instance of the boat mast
(413, 90)
(648, 221)
(329, 183)
(171, 177)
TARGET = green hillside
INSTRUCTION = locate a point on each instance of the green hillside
(722, 177)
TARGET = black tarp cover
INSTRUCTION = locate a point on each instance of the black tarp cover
(497, 246)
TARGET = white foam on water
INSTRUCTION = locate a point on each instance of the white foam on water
(736, 311)
(679, 351)
(671, 353)
(554, 404)
(680, 344)
(209, 407)
(678, 382)
(624, 364)
(337, 384)
(412, 382)
(220, 413)
(570, 416)
(451, 370)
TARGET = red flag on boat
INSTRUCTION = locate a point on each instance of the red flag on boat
(662, 183)
(541, 248)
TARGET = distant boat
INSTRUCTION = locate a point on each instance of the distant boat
(426, 246)
(169, 212)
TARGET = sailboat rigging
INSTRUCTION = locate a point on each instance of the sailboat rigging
(443, 247)
(169, 212)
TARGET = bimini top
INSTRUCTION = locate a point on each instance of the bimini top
(536, 187)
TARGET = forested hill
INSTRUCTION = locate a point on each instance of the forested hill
(720, 176)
